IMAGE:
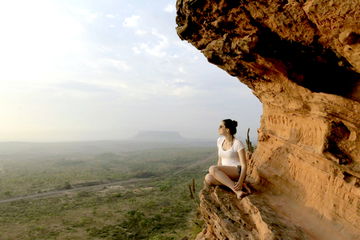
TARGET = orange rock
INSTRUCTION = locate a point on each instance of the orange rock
(302, 60)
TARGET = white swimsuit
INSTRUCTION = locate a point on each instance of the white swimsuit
(229, 157)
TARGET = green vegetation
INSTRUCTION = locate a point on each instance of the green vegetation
(45, 173)
(156, 205)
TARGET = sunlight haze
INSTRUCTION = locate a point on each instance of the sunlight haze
(94, 70)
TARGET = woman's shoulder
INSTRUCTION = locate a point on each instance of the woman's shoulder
(237, 140)
(219, 140)
(239, 144)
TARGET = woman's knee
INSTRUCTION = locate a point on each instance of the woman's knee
(208, 179)
(211, 180)
(212, 169)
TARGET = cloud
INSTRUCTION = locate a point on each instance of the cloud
(180, 82)
(170, 8)
(136, 50)
(117, 64)
(36, 46)
(185, 91)
(109, 15)
(131, 22)
(130, 91)
(140, 32)
(88, 15)
(111, 85)
(106, 65)
(177, 87)
(82, 86)
(156, 50)
(104, 88)
(181, 69)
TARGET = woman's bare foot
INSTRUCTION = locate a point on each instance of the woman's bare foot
(247, 188)
(239, 194)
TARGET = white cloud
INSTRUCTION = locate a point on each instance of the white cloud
(157, 50)
(60, 68)
(140, 32)
(118, 64)
(113, 84)
(180, 81)
(104, 48)
(136, 50)
(184, 45)
(132, 21)
(110, 16)
(106, 65)
(99, 88)
(147, 91)
(181, 69)
(88, 15)
(185, 91)
(175, 88)
(170, 8)
(32, 49)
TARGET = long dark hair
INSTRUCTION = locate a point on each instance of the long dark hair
(231, 125)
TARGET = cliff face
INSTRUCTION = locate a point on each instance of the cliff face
(302, 60)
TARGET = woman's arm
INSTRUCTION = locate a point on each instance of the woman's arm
(219, 161)
(243, 164)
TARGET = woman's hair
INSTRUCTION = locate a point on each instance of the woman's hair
(231, 125)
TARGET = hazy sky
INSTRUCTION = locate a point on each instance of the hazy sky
(105, 69)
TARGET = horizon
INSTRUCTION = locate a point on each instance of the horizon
(127, 139)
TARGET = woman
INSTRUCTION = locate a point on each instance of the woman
(231, 168)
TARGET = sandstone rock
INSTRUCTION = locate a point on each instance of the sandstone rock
(264, 215)
(250, 218)
(302, 60)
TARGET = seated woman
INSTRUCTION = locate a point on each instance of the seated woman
(231, 167)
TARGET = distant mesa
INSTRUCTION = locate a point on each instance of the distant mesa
(158, 136)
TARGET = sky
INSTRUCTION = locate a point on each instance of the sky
(106, 69)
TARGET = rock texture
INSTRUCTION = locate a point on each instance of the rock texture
(302, 60)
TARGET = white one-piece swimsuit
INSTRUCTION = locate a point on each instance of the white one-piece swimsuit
(229, 157)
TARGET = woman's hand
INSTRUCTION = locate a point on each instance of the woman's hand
(238, 186)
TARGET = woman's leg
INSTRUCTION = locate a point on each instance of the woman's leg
(227, 175)
(210, 180)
